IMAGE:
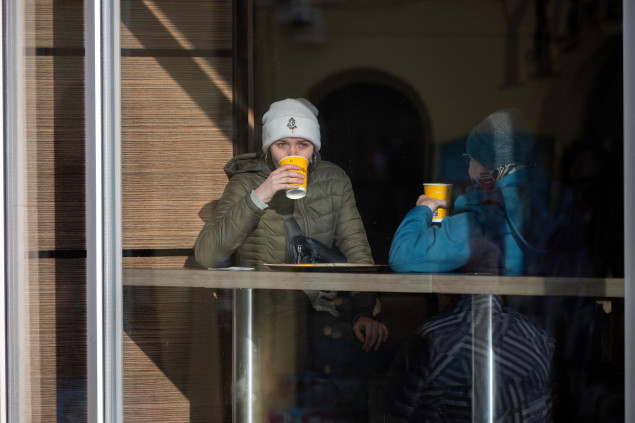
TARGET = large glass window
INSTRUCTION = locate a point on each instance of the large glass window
(247, 333)
(45, 198)
(399, 87)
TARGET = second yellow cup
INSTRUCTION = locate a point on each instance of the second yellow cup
(442, 192)
(303, 163)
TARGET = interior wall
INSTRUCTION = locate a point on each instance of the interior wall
(462, 59)
(178, 130)
(54, 204)
(177, 124)
(558, 62)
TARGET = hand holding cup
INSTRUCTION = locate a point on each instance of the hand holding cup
(436, 197)
(299, 189)
(432, 203)
(288, 176)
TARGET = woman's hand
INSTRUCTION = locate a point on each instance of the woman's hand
(371, 332)
(432, 203)
(279, 179)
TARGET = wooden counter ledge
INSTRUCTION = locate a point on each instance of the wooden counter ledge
(378, 282)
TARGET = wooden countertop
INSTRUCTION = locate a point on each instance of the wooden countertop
(378, 281)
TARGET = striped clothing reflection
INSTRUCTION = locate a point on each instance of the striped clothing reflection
(434, 376)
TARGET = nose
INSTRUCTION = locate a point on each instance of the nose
(293, 151)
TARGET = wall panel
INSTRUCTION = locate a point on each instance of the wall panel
(53, 189)
(177, 134)
(177, 122)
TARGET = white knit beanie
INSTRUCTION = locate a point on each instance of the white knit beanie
(291, 118)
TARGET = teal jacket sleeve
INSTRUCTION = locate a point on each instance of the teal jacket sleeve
(419, 246)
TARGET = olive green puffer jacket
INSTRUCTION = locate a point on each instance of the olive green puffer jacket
(327, 214)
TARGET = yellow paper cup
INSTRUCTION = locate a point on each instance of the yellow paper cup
(442, 192)
(303, 163)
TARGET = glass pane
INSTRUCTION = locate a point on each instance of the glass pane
(399, 86)
(177, 127)
(46, 199)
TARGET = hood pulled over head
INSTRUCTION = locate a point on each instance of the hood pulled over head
(501, 139)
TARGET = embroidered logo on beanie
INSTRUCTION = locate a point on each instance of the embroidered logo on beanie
(291, 125)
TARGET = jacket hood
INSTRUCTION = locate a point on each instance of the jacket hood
(255, 163)
(246, 163)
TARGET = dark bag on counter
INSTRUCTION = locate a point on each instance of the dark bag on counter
(304, 250)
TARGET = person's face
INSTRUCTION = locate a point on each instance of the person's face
(291, 147)
(475, 168)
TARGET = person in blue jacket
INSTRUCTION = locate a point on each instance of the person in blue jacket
(515, 220)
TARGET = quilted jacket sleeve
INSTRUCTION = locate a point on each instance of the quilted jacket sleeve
(234, 219)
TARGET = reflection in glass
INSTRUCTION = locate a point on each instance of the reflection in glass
(46, 204)
(399, 86)
(474, 349)
(514, 220)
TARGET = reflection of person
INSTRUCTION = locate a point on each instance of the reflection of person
(249, 224)
(515, 220)
(433, 376)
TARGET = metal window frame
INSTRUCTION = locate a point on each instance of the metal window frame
(103, 229)
(628, 46)
(13, 205)
(103, 211)
(3, 320)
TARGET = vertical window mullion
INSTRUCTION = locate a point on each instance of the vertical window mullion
(113, 296)
(14, 176)
(3, 323)
(94, 212)
(628, 47)
(103, 218)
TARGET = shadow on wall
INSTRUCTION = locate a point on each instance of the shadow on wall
(185, 333)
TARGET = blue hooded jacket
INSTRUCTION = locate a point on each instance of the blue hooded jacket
(524, 224)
